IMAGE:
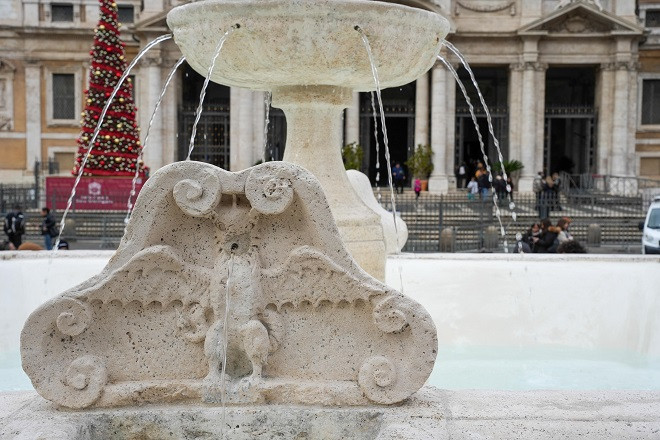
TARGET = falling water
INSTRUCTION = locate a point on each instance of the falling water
(489, 120)
(129, 204)
(98, 129)
(374, 72)
(481, 145)
(375, 113)
(267, 102)
(223, 392)
(198, 113)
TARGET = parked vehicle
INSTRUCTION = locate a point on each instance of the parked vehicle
(651, 229)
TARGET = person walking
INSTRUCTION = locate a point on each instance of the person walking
(399, 176)
(14, 226)
(418, 188)
(48, 228)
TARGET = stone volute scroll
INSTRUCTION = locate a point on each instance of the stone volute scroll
(305, 324)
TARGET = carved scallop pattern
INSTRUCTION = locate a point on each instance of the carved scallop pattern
(269, 191)
(198, 197)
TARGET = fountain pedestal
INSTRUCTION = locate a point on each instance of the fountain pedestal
(314, 141)
(312, 57)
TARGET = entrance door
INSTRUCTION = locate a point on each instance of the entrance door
(569, 143)
(570, 120)
(493, 83)
(399, 106)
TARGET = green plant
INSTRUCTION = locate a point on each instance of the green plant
(352, 155)
(420, 164)
(510, 166)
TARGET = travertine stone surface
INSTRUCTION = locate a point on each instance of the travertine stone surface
(311, 56)
(395, 237)
(430, 414)
(306, 325)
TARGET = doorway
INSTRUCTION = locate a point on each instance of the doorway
(399, 107)
(570, 120)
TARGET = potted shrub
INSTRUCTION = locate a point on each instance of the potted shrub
(352, 155)
(511, 167)
(420, 164)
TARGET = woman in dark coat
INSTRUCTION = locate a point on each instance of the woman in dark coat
(546, 240)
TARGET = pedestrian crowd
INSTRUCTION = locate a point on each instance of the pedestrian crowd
(14, 228)
(543, 238)
(481, 183)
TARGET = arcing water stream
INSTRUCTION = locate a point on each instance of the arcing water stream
(129, 204)
(198, 113)
(97, 130)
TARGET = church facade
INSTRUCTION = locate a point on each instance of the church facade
(572, 86)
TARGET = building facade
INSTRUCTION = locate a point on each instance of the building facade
(571, 85)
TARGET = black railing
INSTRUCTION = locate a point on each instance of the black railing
(471, 224)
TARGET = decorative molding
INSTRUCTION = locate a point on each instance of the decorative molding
(6, 95)
(260, 243)
(486, 6)
(596, 3)
(528, 65)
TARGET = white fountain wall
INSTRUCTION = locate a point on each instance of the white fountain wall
(587, 302)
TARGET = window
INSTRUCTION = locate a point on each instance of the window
(653, 18)
(61, 12)
(126, 14)
(64, 96)
(651, 102)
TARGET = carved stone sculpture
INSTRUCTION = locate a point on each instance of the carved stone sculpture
(304, 324)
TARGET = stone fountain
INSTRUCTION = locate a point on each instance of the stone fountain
(311, 57)
(306, 325)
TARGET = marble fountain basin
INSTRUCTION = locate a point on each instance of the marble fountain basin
(283, 43)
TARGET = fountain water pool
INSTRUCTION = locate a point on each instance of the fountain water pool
(590, 328)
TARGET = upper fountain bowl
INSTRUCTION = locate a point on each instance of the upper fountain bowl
(307, 42)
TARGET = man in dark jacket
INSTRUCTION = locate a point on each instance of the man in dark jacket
(14, 226)
(48, 228)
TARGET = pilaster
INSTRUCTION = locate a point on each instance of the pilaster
(439, 183)
(32, 113)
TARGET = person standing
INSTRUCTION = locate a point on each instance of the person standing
(14, 226)
(398, 176)
(484, 183)
(462, 174)
(48, 228)
(473, 188)
(418, 188)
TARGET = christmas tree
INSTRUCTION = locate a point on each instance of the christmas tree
(117, 147)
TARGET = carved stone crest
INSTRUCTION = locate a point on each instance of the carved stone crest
(236, 272)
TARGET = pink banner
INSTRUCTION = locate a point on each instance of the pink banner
(92, 193)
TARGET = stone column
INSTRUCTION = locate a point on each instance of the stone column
(605, 106)
(438, 183)
(528, 126)
(619, 152)
(32, 114)
(240, 129)
(515, 111)
(353, 120)
(422, 110)
(152, 86)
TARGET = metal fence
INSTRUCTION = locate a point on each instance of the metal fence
(454, 223)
